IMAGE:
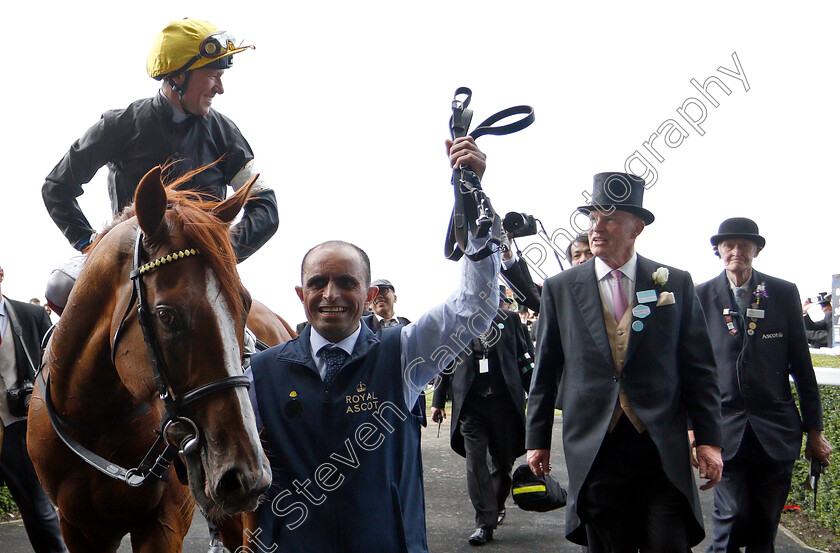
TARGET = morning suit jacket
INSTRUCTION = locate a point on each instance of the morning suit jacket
(508, 354)
(776, 350)
(34, 324)
(668, 375)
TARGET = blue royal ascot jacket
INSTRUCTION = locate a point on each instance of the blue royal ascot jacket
(346, 465)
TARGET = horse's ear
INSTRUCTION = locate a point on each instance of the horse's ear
(230, 208)
(150, 201)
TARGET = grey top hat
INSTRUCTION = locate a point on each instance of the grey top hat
(621, 191)
(738, 227)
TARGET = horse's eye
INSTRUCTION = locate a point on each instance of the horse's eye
(165, 315)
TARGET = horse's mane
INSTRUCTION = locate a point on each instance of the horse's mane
(192, 212)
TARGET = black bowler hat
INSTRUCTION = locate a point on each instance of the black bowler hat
(382, 283)
(622, 191)
(738, 227)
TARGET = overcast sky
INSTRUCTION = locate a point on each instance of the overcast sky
(345, 105)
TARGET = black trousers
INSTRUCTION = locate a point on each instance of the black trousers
(627, 503)
(485, 424)
(16, 470)
(749, 499)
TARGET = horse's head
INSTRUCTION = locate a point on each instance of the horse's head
(195, 310)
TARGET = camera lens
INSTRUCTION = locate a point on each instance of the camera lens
(513, 221)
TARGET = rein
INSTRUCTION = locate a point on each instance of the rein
(153, 464)
(472, 210)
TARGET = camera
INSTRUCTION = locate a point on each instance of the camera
(822, 297)
(18, 399)
(519, 224)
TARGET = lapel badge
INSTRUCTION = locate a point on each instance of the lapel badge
(641, 311)
(293, 407)
(646, 296)
(755, 313)
(638, 325)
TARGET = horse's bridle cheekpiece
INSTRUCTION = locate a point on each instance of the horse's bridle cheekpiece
(153, 464)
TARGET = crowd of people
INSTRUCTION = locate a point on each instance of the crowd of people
(653, 375)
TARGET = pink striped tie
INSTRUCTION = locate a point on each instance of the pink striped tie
(619, 299)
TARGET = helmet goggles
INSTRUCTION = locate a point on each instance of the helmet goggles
(214, 46)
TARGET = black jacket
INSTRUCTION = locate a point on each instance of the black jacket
(132, 141)
(525, 290)
(34, 324)
(754, 370)
(510, 354)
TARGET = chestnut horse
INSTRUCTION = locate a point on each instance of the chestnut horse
(144, 370)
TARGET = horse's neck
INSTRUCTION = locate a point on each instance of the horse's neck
(82, 377)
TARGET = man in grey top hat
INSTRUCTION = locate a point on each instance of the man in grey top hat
(755, 322)
(626, 339)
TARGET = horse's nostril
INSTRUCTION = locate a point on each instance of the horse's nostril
(232, 484)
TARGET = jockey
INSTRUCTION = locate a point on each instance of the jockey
(178, 126)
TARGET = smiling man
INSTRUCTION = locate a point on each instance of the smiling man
(334, 404)
(177, 125)
(625, 338)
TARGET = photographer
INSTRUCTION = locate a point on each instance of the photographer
(817, 331)
(22, 326)
(488, 385)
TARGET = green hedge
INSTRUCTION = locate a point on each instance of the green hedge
(828, 498)
(7, 505)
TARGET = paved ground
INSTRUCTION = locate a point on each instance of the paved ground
(449, 512)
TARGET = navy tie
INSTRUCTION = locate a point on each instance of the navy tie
(334, 357)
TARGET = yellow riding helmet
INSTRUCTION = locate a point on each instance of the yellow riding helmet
(190, 44)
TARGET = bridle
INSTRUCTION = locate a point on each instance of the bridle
(174, 401)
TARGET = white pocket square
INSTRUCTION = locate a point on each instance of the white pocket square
(665, 298)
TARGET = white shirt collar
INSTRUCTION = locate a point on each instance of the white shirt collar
(316, 341)
(733, 286)
(628, 269)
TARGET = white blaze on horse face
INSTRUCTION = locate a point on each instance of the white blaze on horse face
(233, 358)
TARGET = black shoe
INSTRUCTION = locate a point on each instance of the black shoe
(481, 536)
(501, 519)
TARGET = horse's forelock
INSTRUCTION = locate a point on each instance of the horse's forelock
(210, 236)
(193, 213)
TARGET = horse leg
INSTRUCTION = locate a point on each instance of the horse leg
(78, 541)
(163, 531)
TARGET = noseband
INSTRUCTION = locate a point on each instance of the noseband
(174, 401)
